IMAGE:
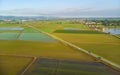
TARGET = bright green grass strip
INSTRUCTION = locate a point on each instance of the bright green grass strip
(75, 26)
(29, 30)
(80, 26)
(47, 29)
(50, 27)
(79, 31)
(12, 65)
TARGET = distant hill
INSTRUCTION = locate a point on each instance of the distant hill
(21, 17)
(53, 17)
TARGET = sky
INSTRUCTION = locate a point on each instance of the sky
(68, 8)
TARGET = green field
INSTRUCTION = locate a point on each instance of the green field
(79, 31)
(31, 42)
(53, 25)
(41, 49)
(29, 30)
(10, 65)
(28, 46)
(25, 34)
(104, 45)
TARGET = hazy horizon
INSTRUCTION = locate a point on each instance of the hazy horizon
(68, 8)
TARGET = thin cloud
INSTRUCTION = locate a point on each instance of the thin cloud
(77, 9)
(63, 12)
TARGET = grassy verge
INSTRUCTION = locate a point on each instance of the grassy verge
(118, 35)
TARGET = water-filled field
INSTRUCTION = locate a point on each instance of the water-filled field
(9, 35)
(12, 28)
(44, 66)
(23, 34)
(36, 37)
(112, 30)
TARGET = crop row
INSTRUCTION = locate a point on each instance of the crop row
(44, 66)
(79, 31)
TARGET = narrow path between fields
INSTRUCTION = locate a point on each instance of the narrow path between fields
(18, 37)
(116, 36)
(107, 62)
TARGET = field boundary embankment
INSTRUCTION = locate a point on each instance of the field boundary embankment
(100, 58)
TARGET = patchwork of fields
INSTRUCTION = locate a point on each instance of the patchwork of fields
(65, 59)
(104, 45)
(25, 34)
(44, 66)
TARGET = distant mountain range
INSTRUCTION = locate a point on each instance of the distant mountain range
(49, 17)
(22, 17)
